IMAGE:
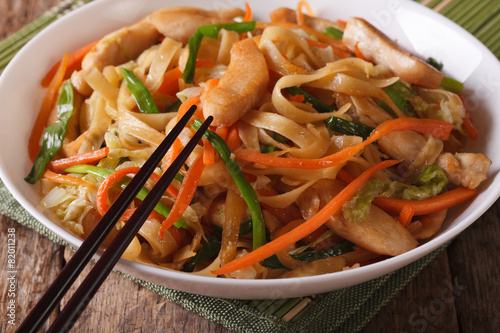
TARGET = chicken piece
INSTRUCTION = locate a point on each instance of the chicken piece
(116, 48)
(378, 233)
(180, 23)
(290, 15)
(413, 147)
(120, 46)
(466, 169)
(240, 88)
(378, 48)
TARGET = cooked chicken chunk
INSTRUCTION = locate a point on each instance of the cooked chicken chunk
(466, 169)
(378, 233)
(180, 23)
(120, 46)
(378, 48)
(240, 88)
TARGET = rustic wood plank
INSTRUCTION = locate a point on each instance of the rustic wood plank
(124, 306)
(475, 267)
(16, 14)
(37, 262)
(420, 306)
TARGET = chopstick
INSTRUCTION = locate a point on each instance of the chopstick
(89, 247)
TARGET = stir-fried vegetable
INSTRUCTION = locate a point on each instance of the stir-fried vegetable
(312, 255)
(246, 190)
(85, 158)
(333, 32)
(430, 182)
(141, 94)
(209, 31)
(210, 247)
(53, 136)
(400, 94)
(103, 173)
(335, 123)
(305, 228)
(437, 128)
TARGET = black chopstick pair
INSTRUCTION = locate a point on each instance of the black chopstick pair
(68, 316)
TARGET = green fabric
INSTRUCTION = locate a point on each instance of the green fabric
(346, 310)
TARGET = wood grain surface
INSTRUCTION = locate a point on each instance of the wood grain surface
(457, 292)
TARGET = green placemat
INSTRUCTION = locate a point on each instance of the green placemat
(345, 310)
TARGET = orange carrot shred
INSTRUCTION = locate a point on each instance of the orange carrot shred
(233, 139)
(186, 105)
(222, 132)
(359, 54)
(437, 128)
(406, 215)
(315, 43)
(427, 206)
(48, 104)
(170, 83)
(208, 152)
(102, 192)
(85, 158)
(66, 179)
(186, 194)
(342, 22)
(305, 228)
(74, 63)
(248, 13)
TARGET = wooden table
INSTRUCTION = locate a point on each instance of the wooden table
(457, 292)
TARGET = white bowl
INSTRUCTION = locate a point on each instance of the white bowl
(414, 26)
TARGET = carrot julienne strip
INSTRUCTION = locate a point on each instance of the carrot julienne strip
(74, 63)
(233, 139)
(305, 228)
(186, 194)
(170, 83)
(208, 152)
(66, 179)
(102, 192)
(85, 158)
(427, 206)
(437, 128)
(406, 215)
(248, 13)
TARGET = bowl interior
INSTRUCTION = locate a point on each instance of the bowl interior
(416, 28)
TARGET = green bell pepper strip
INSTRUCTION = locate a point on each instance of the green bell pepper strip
(452, 85)
(53, 135)
(246, 190)
(335, 123)
(211, 31)
(104, 173)
(141, 94)
(447, 83)
(333, 32)
(400, 94)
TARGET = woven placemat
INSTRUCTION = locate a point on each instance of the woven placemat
(345, 310)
